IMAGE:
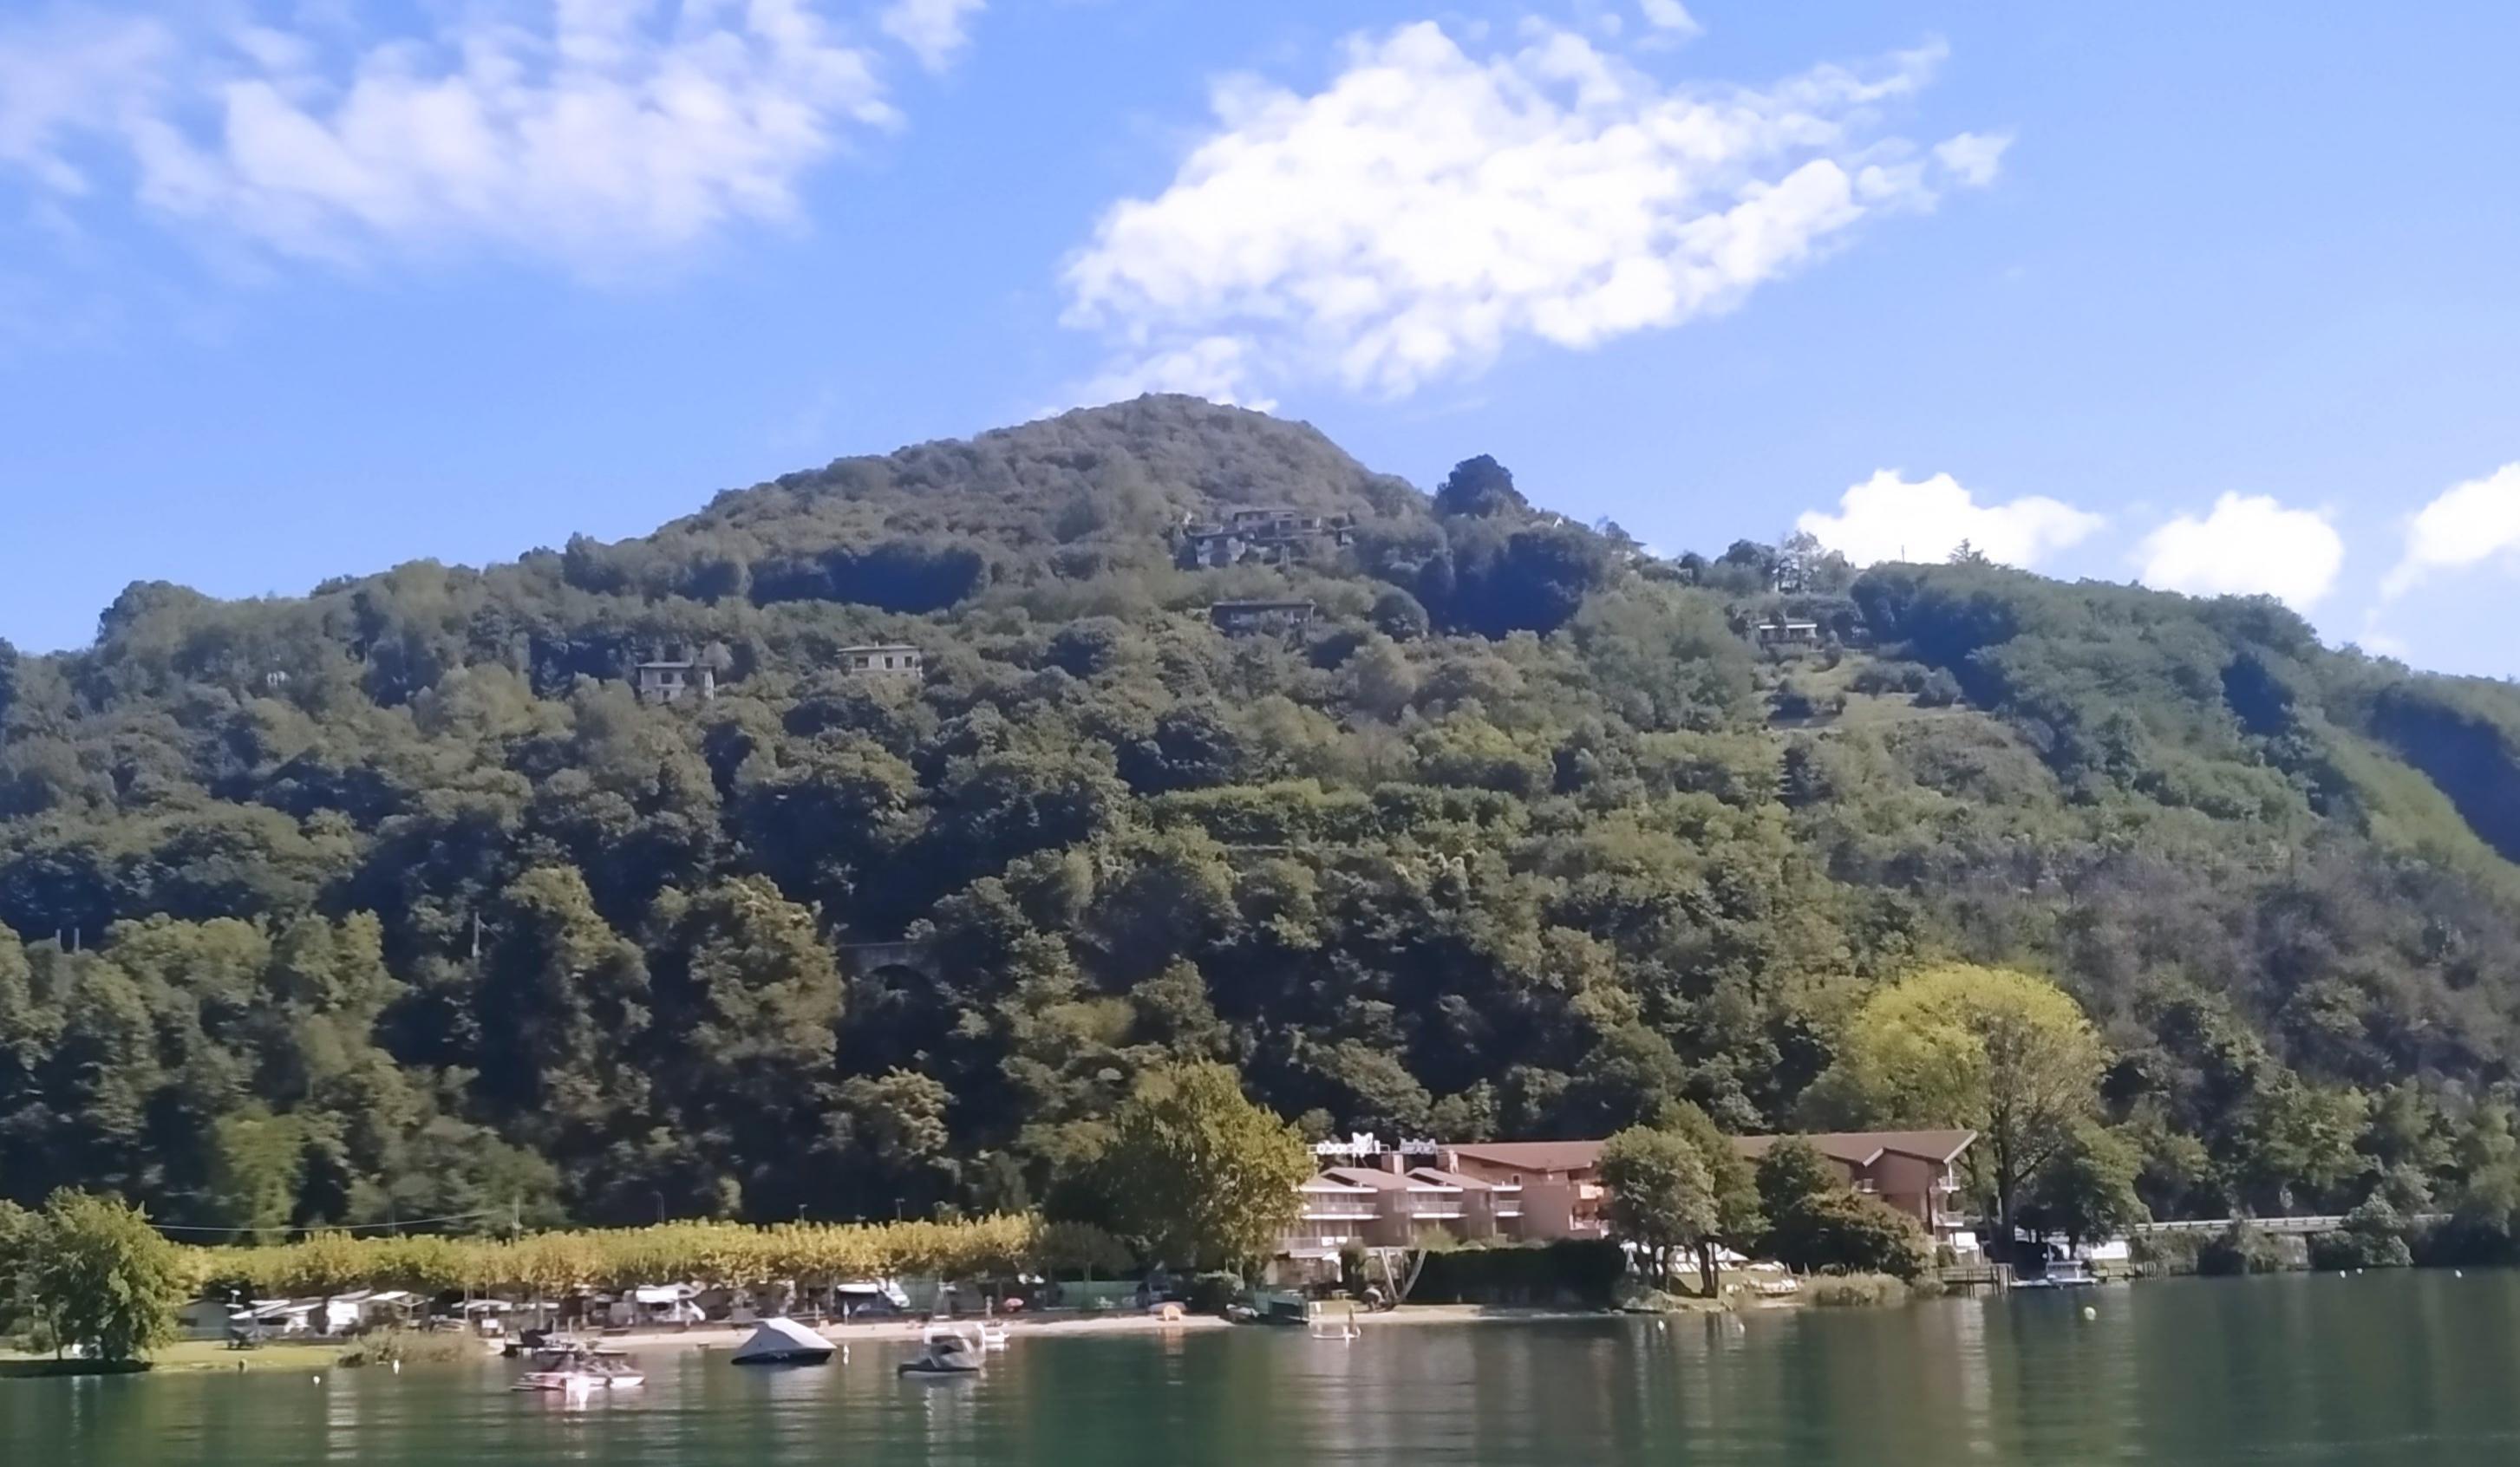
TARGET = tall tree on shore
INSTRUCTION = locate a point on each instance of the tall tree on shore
(2001, 1052)
(1815, 1221)
(102, 1277)
(1196, 1173)
(2087, 1189)
(1661, 1199)
(1734, 1184)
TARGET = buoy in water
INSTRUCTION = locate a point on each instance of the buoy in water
(2458, 1273)
(2090, 1312)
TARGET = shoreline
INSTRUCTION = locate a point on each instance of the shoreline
(1085, 1326)
(195, 1356)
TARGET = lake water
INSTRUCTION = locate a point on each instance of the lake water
(2402, 1368)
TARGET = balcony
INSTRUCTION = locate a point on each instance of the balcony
(1341, 1214)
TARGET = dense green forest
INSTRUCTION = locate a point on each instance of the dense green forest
(395, 902)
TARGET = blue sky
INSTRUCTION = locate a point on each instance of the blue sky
(2217, 297)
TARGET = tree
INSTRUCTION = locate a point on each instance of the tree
(1198, 1175)
(1480, 488)
(1734, 1183)
(2087, 1189)
(2001, 1052)
(1398, 616)
(18, 1228)
(1816, 1221)
(1661, 1199)
(102, 1277)
(257, 1161)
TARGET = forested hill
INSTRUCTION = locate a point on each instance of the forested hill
(395, 902)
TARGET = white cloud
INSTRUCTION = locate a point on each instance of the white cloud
(935, 31)
(72, 73)
(1888, 519)
(1429, 207)
(595, 132)
(2247, 545)
(1973, 157)
(1670, 17)
(2467, 524)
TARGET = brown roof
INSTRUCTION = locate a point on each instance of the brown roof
(1861, 1148)
(1534, 1156)
(1441, 1178)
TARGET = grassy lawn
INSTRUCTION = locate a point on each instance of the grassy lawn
(187, 1355)
(214, 1355)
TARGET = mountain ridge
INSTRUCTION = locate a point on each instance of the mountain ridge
(396, 894)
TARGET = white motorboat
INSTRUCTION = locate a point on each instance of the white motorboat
(579, 1371)
(994, 1335)
(2061, 1273)
(946, 1352)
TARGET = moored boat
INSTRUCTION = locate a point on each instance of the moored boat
(946, 1352)
(783, 1342)
(580, 1370)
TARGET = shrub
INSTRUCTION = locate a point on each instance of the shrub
(411, 1348)
(1212, 1293)
(1578, 1271)
(2246, 1248)
(1840, 1229)
(1854, 1291)
(2167, 1254)
(1890, 677)
(2462, 1243)
(2373, 1237)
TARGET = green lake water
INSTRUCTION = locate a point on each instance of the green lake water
(2377, 1369)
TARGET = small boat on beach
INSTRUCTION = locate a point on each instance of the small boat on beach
(946, 1352)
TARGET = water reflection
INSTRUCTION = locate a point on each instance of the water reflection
(2402, 1369)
